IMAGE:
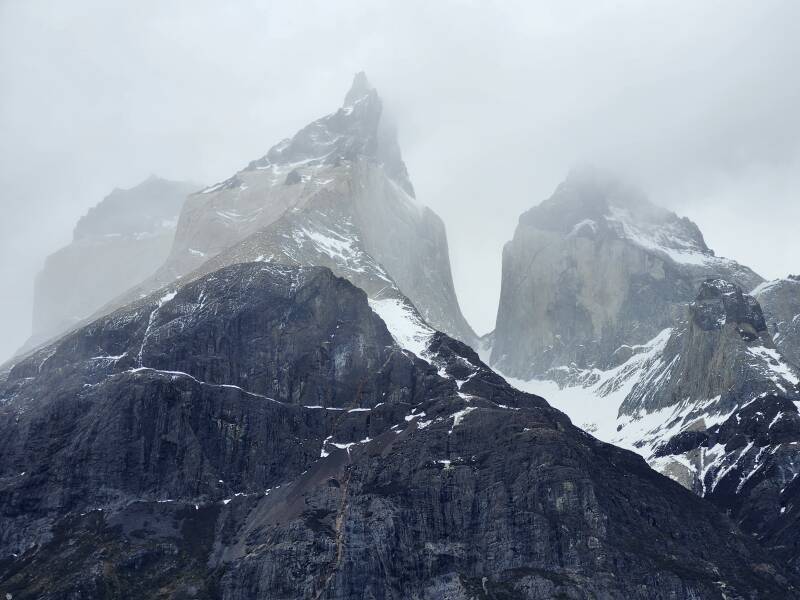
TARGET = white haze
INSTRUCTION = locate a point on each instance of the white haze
(697, 102)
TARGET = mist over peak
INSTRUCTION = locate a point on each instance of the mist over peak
(490, 117)
(360, 88)
(468, 387)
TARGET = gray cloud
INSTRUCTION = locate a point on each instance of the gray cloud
(696, 102)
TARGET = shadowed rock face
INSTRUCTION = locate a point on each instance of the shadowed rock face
(258, 433)
(746, 466)
(342, 185)
(594, 268)
(720, 302)
(123, 239)
(780, 300)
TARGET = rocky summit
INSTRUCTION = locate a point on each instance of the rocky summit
(259, 432)
(618, 312)
(593, 269)
(336, 194)
(123, 239)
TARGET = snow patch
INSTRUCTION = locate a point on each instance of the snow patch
(459, 416)
(408, 329)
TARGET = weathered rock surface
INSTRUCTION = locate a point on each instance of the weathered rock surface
(713, 406)
(342, 185)
(259, 433)
(593, 270)
(648, 340)
(747, 466)
(721, 354)
(780, 300)
(123, 239)
(711, 403)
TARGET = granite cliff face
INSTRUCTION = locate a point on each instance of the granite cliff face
(780, 300)
(342, 184)
(123, 239)
(721, 351)
(594, 270)
(258, 432)
(728, 424)
(619, 313)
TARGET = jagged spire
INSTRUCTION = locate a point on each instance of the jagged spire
(360, 88)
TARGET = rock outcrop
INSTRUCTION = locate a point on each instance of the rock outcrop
(649, 341)
(122, 240)
(257, 432)
(780, 300)
(712, 404)
(722, 352)
(593, 271)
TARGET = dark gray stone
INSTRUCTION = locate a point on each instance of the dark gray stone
(168, 450)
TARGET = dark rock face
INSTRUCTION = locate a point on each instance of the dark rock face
(293, 177)
(748, 470)
(203, 330)
(123, 239)
(719, 302)
(780, 300)
(595, 268)
(454, 523)
(257, 433)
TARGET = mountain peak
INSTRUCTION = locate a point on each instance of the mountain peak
(589, 175)
(139, 210)
(361, 87)
(589, 193)
(359, 129)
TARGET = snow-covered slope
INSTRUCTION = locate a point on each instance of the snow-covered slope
(592, 397)
(337, 191)
(692, 376)
(258, 434)
(709, 402)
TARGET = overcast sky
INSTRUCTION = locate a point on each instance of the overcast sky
(697, 102)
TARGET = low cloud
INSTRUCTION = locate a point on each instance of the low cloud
(695, 102)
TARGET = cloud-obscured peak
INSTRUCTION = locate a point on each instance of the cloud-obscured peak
(693, 102)
(360, 88)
